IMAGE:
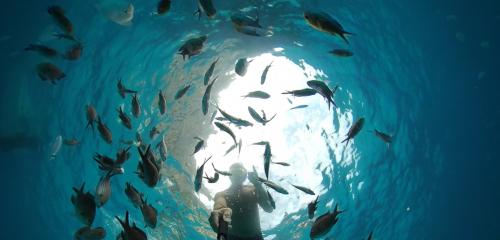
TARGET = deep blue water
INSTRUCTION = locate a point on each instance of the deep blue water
(425, 71)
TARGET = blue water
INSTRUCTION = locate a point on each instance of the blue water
(425, 71)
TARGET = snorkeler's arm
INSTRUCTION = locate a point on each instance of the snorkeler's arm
(220, 208)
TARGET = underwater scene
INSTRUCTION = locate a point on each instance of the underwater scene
(249, 119)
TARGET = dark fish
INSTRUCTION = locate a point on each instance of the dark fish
(192, 47)
(163, 6)
(149, 213)
(223, 173)
(130, 232)
(71, 142)
(60, 18)
(122, 156)
(308, 127)
(104, 131)
(242, 66)
(234, 120)
(383, 136)
(162, 103)
(87, 233)
(207, 7)
(324, 223)
(325, 23)
(103, 189)
(43, 50)
(263, 120)
(147, 169)
(230, 149)
(213, 179)
(209, 72)
(323, 90)
(107, 164)
(200, 144)
(311, 208)
(226, 129)
(136, 107)
(122, 90)
(206, 98)
(65, 36)
(133, 195)
(282, 164)
(370, 236)
(49, 72)
(264, 74)
(74, 52)
(91, 114)
(341, 52)
(355, 129)
(124, 118)
(181, 92)
(289, 101)
(299, 106)
(304, 189)
(199, 175)
(267, 159)
(271, 200)
(257, 94)
(306, 92)
(273, 185)
(84, 204)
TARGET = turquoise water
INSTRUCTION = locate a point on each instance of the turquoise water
(399, 80)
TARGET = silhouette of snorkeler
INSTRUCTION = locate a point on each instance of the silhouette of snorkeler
(236, 214)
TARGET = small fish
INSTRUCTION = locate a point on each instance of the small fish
(136, 106)
(226, 129)
(91, 114)
(230, 149)
(306, 92)
(199, 175)
(149, 213)
(323, 90)
(341, 53)
(71, 142)
(192, 47)
(154, 132)
(271, 200)
(130, 232)
(267, 159)
(240, 143)
(43, 50)
(257, 94)
(308, 127)
(124, 118)
(254, 31)
(49, 72)
(122, 156)
(242, 66)
(107, 164)
(325, 23)
(264, 74)
(56, 146)
(209, 72)
(324, 223)
(213, 179)
(162, 146)
(311, 208)
(60, 18)
(273, 185)
(104, 131)
(299, 106)
(261, 143)
(122, 90)
(289, 100)
(87, 233)
(163, 6)
(223, 173)
(213, 116)
(181, 92)
(383, 136)
(84, 204)
(207, 7)
(147, 169)
(206, 98)
(162, 103)
(234, 120)
(200, 144)
(304, 189)
(263, 120)
(65, 36)
(103, 189)
(282, 163)
(241, 20)
(133, 195)
(74, 52)
(354, 130)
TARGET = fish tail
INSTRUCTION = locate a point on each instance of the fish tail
(342, 35)
(347, 139)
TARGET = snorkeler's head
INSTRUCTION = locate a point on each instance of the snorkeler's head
(238, 174)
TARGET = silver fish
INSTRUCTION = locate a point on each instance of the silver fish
(199, 175)
(267, 159)
(223, 173)
(299, 106)
(306, 92)
(209, 72)
(242, 66)
(282, 163)
(273, 185)
(206, 98)
(234, 120)
(304, 189)
(226, 129)
(181, 92)
(257, 94)
(263, 120)
(264, 74)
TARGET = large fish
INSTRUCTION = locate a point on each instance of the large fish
(199, 175)
(56, 146)
(133, 195)
(355, 129)
(325, 23)
(306, 92)
(147, 169)
(103, 189)
(257, 94)
(104, 131)
(42, 50)
(122, 90)
(262, 120)
(200, 144)
(130, 232)
(242, 66)
(206, 98)
(84, 204)
(311, 208)
(210, 72)
(324, 223)
(60, 18)
(323, 90)
(88, 233)
(226, 129)
(136, 106)
(207, 7)
(181, 92)
(273, 185)
(267, 159)
(124, 118)
(162, 103)
(264, 74)
(234, 120)
(149, 213)
(304, 189)
(192, 47)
